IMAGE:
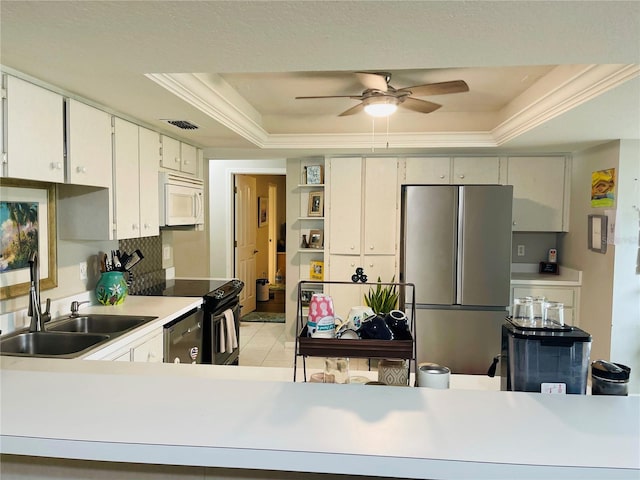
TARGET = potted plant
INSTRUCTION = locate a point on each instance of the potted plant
(382, 299)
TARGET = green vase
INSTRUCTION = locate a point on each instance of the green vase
(111, 289)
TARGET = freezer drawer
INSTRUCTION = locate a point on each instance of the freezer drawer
(463, 340)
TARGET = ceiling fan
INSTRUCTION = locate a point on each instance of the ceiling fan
(380, 99)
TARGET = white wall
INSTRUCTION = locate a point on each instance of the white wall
(610, 296)
(221, 207)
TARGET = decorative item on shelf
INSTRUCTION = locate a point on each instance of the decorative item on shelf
(305, 296)
(303, 178)
(359, 276)
(393, 372)
(383, 299)
(316, 239)
(375, 328)
(314, 174)
(304, 243)
(316, 204)
(111, 288)
(316, 270)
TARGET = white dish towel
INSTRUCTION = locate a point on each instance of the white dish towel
(232, 338)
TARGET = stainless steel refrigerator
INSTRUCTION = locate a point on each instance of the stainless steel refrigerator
(456, 249)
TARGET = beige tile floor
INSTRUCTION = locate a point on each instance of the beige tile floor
(263, 345)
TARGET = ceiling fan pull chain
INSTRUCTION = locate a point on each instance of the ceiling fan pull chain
(373, 134)
(387, 133)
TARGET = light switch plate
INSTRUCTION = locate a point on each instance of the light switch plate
(166, 252)
(521, 250)
(83, 270)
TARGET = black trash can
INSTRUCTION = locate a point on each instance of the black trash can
(262, 289)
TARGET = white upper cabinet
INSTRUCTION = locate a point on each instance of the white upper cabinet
(380, 206)
(540, 194)
(170, 153)
(89, 152)
(452, 171)
(345, 210)
(136, 180)
(476, 170)
(149, 151)
(189, 159)
(126, 180)
(428, 170)
(179, 156)
(34, 144)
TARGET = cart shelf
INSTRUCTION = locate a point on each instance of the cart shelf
(353, 348)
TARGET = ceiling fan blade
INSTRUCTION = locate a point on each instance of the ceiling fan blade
(442, 88)
(421, 106)
(355, 97)
(373, 81)
(353, 110)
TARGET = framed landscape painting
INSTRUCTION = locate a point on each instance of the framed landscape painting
(27, 220)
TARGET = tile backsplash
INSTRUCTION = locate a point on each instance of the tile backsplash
(149, 271)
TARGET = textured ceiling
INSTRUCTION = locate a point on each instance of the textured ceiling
(269, 52)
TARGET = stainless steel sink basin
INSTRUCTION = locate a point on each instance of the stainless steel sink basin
(49, 344)
(109, 324)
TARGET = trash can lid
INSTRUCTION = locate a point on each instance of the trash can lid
(262, 281)
(609, 370)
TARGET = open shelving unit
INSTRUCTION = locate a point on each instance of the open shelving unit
(353, 348)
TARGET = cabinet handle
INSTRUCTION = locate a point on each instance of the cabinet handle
(81, 169)
(177, 160)
(514, 222)
(353, 264)
(134, 226)
(186, 162)
(441, 176)
(56, 166)
(352, 247)
(147, 226)
(370, 247)
(461, 176)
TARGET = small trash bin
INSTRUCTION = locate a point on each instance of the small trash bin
(262, 289)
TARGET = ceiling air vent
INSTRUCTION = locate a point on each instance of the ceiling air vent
(183, 124)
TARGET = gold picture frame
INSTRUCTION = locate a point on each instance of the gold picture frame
(27, 210)
(316, 204)
(316, 239)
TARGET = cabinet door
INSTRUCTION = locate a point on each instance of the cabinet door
(89, 148)
(476, 170)
(380, 206)
(383, 266)
(345, 183)
(35, 132)
(341, 268)
(151, 350)
(149, 201)
(427, 170)
(188, 159)
(538, 193)
(126, 180)
(170, 153)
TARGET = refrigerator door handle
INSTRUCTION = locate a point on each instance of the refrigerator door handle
(459, 246)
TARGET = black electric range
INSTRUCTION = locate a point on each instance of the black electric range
(216, 293)
(207, 330)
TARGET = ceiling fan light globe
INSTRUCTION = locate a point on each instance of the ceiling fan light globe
(380, 109)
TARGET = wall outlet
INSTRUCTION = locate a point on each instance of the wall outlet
(521, 250)
(83, 270)
(166, 252)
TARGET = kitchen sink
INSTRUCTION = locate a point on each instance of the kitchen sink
(50, 344)
(109, 324)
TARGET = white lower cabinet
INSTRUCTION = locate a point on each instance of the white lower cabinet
(568, 296)
(149, 351)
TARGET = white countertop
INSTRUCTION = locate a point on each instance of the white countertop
(257, 418)
(527, 274)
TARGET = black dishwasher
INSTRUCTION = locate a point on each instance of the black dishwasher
(183, 338)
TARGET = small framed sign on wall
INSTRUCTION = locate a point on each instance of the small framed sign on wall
(597, 240)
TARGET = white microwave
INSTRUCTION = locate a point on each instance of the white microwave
(181, 200)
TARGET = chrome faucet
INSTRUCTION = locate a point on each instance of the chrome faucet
(38, 317)
(75, 306)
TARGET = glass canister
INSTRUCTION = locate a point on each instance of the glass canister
(523, 311)
(538, 305)
(111, 288)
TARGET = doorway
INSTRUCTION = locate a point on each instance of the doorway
(259, 230)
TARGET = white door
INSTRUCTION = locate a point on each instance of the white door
(246, 216)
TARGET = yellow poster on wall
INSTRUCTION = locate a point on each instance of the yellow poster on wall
(603, 183)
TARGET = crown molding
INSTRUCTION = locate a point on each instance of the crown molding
(574, 85)
(591, 81)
